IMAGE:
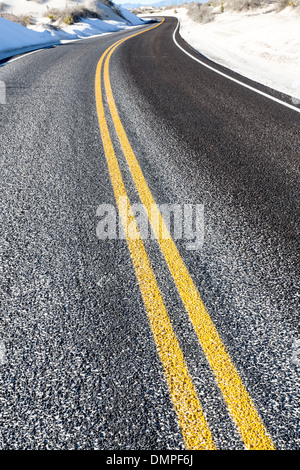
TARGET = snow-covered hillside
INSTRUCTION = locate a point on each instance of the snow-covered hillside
(260, 43)
(55, 21)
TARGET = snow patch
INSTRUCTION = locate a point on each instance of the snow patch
(265, 46)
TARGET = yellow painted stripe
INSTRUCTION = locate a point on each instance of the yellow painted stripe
(239, 403)
(195, 430)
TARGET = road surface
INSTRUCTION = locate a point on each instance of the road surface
(145, 344)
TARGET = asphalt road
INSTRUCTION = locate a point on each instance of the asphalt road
(79, 365)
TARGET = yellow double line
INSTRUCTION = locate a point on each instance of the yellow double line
(193, 424)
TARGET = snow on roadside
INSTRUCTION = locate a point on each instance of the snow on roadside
(16, 38)
(260, 44)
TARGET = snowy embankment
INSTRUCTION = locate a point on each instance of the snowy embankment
(43, 30)
(262, 44)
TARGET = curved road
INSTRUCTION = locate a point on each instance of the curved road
(98, 351)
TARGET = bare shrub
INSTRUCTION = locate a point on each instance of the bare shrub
(241, 5)
(11, 17)
(73, 15)
(92, 5)
(26, 20)
(200, 12)
(92, 9)
(282, 4)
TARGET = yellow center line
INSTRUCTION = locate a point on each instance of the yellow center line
(239, 403)
(195, 430)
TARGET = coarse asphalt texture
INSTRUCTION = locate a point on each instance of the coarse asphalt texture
(78, 362)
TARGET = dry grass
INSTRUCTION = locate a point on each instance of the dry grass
(241, 5)
(206, 12)
(278, 5)
(73, 15)
(11, 17)
(26, 20)
(68, 15)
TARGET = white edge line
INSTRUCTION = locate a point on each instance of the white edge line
(287, 105)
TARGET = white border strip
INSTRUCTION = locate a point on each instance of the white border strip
(287, 105)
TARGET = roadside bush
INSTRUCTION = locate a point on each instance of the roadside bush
(282, 4)
(69, 20)
(108, 3)
(74, 15)
(113, 7)
(240, 5)
(11, 17)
